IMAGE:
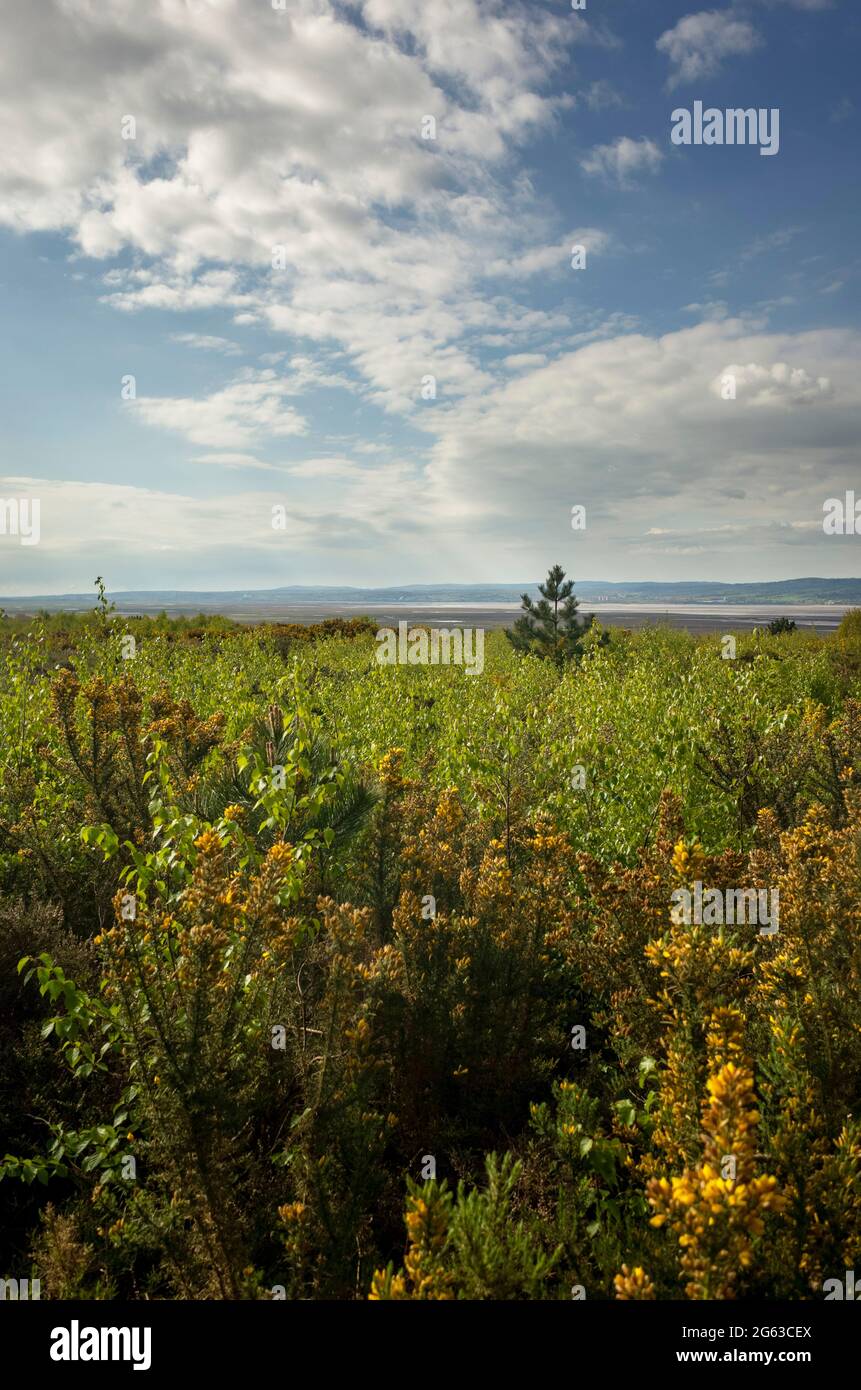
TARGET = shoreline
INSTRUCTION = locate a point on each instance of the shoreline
(693, 617)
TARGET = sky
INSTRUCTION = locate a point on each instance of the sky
(289, 292)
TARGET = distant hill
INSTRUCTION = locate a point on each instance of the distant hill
(781, 591)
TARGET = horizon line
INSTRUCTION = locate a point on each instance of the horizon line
(439, 584)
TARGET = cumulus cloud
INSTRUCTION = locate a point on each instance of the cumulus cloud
(634, 429)
(762, 386)
(630, 426)
(623, 160)
(278, 167)
(697, 45)
(249, 408)
(542, 259)
(279, 176)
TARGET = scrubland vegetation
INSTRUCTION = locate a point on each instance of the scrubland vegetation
(284, 932)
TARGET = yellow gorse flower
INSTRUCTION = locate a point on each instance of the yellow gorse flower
(717, 1207)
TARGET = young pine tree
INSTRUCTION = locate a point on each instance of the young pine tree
(551, 628)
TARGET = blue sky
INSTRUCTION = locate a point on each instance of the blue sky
(296, 134)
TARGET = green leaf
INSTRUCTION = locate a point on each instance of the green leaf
(646, 1067)
(627, 1111)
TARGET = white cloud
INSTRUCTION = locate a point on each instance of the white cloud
(234, 460)
(208, 342)
(623, 160)
(602, 94)
(517, 361)
(325, 468)
(708, 309)
(215, 541)
(302, 130)
(632, 427)
(697, 45)
(771, 241)
(545, 259)
(249, 408)
(760, 386)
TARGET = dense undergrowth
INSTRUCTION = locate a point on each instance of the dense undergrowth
(342, 981)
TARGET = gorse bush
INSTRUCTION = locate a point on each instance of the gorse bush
(325, 979)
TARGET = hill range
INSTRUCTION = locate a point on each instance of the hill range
(653, 593)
